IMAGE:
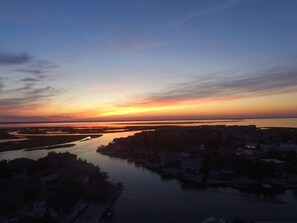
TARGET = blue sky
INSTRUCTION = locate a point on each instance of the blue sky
(95, 58)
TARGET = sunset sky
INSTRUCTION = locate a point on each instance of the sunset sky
(147, 59)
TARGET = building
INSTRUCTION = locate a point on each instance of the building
(168, 158)
(275, 164)
(192, 165)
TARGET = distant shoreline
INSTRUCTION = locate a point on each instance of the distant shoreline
(42, 142)
(147, 120)
(111, 125)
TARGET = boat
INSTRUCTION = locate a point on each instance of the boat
(266, 186)
(85, 139)
(119, 187)
(214, 220)
(110, 213)
(279, 200)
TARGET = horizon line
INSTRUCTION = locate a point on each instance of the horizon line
(138, 120)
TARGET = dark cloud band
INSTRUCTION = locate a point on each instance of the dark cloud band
(14, 59)
(228, 86)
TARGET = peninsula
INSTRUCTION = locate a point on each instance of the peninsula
(238, 156)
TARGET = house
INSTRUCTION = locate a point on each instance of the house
(37, 212)
(168, 158)
(275, 164)
(222, 174)
(184, 155)
(267, 147)
(192, 165)
(37, 209)
(225, 151)
(250, 154)
(287, 146)
(49, 178)
(226, 174)
(68, 209)
(251, 145)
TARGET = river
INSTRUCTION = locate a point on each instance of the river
(149, 197)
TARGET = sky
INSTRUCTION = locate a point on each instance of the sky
(147, 59)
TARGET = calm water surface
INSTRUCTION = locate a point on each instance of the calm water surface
(148, 197)
(275, 122)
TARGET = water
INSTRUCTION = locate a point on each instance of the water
(148, 197)
(273, 122)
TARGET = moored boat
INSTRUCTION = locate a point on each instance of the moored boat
(279, 200)
(85, 139)
(110, 213)
(214, 220)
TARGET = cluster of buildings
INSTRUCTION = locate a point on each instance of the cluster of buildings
(57, 188)
(214, 154)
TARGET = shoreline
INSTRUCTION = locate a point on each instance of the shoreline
(42, 142)
(237, 183)
(275, 122)
(153, 120)
(235, 156)
(59, 146)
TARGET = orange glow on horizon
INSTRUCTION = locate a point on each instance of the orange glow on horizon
(264, 106)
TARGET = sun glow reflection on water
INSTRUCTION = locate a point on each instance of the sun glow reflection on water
(268, 122)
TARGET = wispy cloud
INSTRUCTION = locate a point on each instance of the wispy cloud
(44, 64)
(30, 94)
(1, 85)
(29, 79)
(223, 86)
(14, 59)
(29, 97)
(28, 64)
(33, 89)
(38, 68)
(211, 7)
(30, 118)
(34, 70)
(20, 118)
(31, 71)
(169, 14)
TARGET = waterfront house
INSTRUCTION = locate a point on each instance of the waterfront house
(275, 165)
(36, 209)
(226, 174)
(192, 165)
(267, 147)
(49, 178)
(251, 145)
(222, 174)
(250, 154)
(168, 158)
(288, 146)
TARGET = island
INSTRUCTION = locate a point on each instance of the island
(34, 138)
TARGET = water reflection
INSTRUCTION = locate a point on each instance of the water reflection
(269, 122)
(85, 147)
